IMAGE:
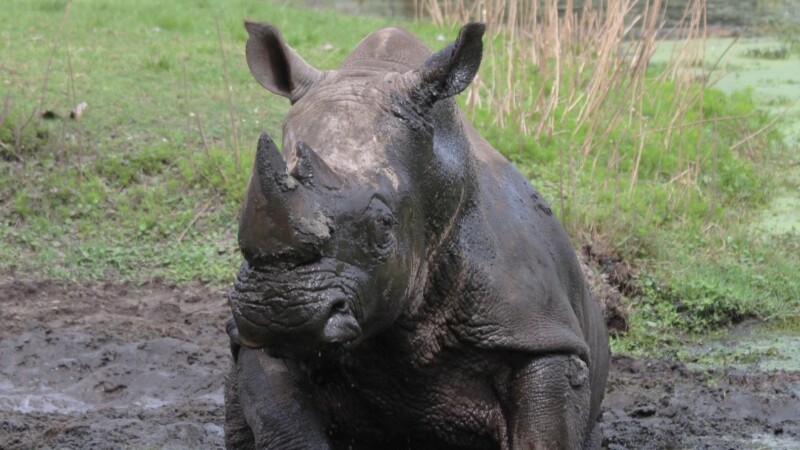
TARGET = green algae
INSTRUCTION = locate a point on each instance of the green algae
(756, 349)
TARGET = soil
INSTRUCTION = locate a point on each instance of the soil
(143, 366)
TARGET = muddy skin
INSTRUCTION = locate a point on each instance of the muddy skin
(403, 285)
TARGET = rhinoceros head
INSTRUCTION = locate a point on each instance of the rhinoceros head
(338, 229)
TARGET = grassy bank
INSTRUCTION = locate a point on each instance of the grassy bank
(148, 180)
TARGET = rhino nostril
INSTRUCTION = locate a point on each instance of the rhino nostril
(339, 306)
(341, 325)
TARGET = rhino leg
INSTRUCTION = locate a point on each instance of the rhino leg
(237, 433)
(265, 407)
(550, 404)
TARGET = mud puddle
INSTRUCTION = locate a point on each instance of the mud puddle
(748, 349)
(740, 391)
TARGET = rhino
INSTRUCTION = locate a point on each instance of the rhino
(403, 286)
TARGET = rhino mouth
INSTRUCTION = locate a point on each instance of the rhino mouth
(307, 309)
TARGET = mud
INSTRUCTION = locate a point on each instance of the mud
(111, 366)
(663, 404)
(125, 366)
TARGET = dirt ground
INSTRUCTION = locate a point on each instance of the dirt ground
(124, 366)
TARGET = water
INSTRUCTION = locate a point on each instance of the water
(776, 84)
(386, 8)
(765, 351)
(43, 399)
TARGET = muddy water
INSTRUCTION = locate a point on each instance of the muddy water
(666, 404)
(748, 348)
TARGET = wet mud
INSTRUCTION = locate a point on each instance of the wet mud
(663, 404)
(124, 366)
(111, 366)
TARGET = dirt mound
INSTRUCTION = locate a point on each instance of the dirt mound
(609, 278)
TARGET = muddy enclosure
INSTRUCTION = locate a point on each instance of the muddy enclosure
(143, 366)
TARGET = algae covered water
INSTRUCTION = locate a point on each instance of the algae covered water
(727, 13)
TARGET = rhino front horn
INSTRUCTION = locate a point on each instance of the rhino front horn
(271, 168)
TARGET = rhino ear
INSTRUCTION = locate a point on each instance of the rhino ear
(450, 70)
(276, 65)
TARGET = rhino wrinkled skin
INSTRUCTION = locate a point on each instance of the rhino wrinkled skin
(403, 285)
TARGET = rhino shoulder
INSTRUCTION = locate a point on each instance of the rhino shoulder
(521, 287)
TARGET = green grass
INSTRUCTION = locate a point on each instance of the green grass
(149, 181)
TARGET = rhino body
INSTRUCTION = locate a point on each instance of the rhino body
(403, 285)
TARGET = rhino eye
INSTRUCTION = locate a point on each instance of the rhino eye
(382, 237)
(379, 230)
(385, 223)
(383, 231)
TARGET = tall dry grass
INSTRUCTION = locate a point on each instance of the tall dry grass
(584, 71)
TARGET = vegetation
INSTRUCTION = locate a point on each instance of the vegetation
(147, 181)
(649, 159)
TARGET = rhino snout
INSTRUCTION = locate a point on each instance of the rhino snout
(329, 319)
(341, 326)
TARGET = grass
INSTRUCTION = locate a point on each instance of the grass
(148, 182)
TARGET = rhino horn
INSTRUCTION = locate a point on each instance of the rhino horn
(280, 218)
(271, 168)
(311, 170)
(449, 71)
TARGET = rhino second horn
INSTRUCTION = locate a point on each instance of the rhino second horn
(311, 170)
(303, 171)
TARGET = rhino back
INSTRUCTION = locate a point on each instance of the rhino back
(390, 48)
